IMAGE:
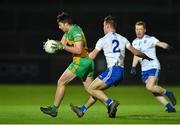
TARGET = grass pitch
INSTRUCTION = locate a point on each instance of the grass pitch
(20, 104)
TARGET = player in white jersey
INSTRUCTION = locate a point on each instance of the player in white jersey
(113, 45)
(151, 69)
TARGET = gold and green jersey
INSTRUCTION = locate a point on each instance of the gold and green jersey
(76, 35)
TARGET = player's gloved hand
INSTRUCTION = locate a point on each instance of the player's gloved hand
(58, 45)
(44, 45)
(147, 57)
(133, 71)
(169, 47)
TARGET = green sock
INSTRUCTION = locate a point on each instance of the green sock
(54, 108)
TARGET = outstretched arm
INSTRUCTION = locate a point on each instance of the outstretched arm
(94, 53)
(135, 51)
(138, 53)
(163, 45)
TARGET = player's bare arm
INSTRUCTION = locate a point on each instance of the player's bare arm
(64, 40)
(93, 54)
(135, 61)
(135, 51)
(76, 49)
(138, 53)
(162, 45)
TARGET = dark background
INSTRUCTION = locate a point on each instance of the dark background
(24, 26)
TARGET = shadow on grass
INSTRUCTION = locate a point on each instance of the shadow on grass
(150, 117)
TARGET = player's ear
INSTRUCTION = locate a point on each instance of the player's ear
(65, 24)
(144, 30)
(108, 25)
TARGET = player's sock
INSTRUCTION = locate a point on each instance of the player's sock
(171, 97)
(169, 107)
(83, 108)
(167, 93)
(109, 101)
(54, 108)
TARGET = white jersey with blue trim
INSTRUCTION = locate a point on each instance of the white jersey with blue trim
(113, 45)
(147, 45)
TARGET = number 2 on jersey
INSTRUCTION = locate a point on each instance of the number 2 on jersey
(116, 46)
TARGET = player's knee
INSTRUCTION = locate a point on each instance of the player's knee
(60, 82)
(149, 87)
(86, 88)
(156, 94)
(90, 90)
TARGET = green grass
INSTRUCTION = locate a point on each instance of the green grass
(20, 104)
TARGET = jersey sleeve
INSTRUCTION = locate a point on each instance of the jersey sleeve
(99, 44)
(77, 36)
(154, 40)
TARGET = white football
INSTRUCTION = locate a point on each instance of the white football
(48, 46)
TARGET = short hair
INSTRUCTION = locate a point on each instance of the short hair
(111, 20)
(141, 23)
(64, 18)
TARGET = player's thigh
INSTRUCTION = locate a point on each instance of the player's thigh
(66, 77)
(151, 76)
(97, 84)
(151, 81)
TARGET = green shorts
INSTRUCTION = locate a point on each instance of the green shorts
(82, 67)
